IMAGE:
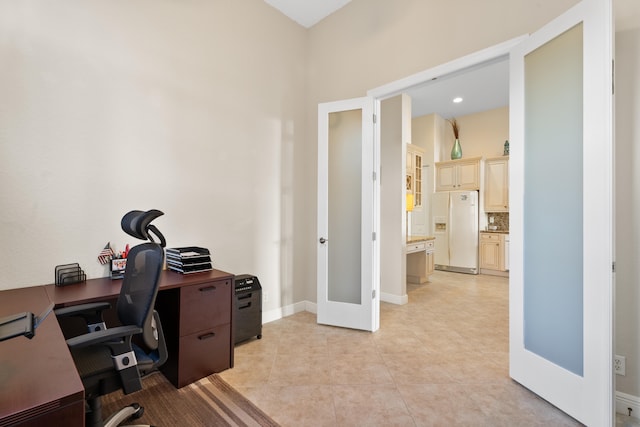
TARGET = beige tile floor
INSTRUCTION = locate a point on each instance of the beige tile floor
(440, 360)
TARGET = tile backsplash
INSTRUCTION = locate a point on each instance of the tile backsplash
(500, 219)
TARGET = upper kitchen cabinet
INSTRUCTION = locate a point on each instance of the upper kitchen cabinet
(496, 184)
(415, 155)
(463, 174)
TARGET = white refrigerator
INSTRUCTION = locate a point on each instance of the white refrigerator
(455, 227)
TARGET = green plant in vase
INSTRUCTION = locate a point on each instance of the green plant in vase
(456, 151)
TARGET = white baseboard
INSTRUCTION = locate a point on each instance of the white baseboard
(311, 307)
(625, 401)
(394, 299)
(288, 310)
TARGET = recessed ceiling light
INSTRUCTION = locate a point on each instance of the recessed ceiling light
(457, 100)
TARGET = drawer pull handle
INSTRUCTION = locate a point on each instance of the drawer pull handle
(207, 289)
(247, 305)
(246, 296)
(207, 336)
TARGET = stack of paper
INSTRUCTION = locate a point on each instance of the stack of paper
(190, 259)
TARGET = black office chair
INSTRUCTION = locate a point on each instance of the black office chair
(116, 358)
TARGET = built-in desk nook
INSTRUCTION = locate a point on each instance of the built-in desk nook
(420, 258)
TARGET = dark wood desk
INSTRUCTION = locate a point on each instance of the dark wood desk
(196, 314)
(39, 384)
(104, 288)
(38, 378)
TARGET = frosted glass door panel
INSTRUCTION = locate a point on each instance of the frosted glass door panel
(345, 188)
(553, 201)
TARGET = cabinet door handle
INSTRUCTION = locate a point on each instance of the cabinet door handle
(207, 336)
(207, 289)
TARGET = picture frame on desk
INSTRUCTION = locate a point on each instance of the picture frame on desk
(118, 266)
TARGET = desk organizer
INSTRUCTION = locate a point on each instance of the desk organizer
(67, 274)
(189, 259)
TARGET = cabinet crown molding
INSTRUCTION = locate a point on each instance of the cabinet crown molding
(489, 159)
(463, 160)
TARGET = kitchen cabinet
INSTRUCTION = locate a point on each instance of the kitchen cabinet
(420, 259)
(415, 155)
(496, 184)
(492, 253)
(463, 174)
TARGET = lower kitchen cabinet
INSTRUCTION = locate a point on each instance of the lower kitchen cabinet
(492, 251)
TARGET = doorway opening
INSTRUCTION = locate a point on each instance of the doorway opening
(430, 96)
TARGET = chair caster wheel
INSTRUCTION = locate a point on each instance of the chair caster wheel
(259, 337)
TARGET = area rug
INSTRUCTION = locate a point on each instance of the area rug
(208, 402)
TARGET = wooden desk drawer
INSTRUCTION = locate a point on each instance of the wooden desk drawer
(204, 306)
(416, 247)
(204, 353)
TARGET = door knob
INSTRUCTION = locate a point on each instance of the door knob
(323, 240)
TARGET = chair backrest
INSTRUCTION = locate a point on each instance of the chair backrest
(140, 287)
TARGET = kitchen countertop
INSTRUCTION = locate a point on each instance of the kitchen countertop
(415, 239)
(495, 231)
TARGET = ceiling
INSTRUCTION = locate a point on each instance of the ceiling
(482, 88)
(307, 12)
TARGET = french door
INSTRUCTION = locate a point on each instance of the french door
(347, 262)
(561, 213)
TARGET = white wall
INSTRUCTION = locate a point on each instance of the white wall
(395, 132)
(193, 108)
(481, 134)
(627, 208)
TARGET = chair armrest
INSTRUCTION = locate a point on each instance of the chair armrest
(76, 310)
(90, 312)
(107, 337)
(118, 340)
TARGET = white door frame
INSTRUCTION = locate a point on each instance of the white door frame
(473, 59)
